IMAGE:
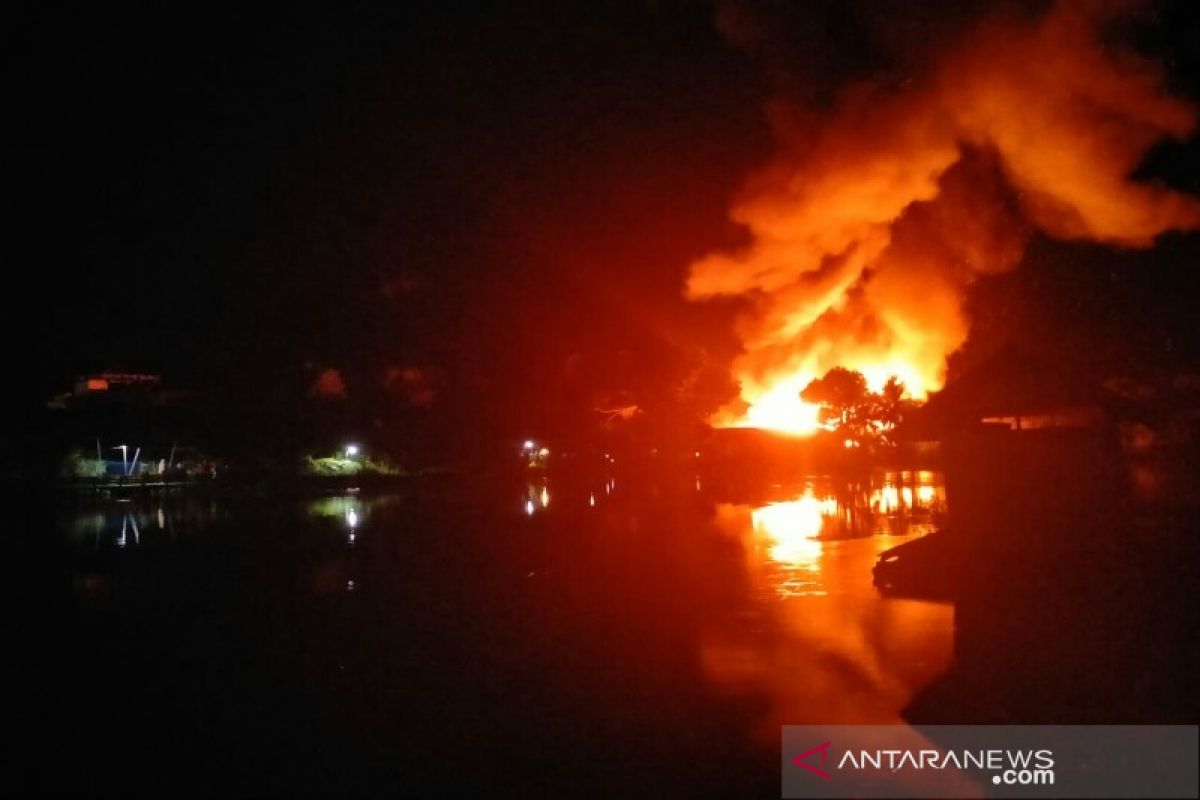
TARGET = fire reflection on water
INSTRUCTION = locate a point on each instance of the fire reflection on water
(817, 640)
(792, 531)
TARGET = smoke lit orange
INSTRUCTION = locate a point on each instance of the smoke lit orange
(870, 223)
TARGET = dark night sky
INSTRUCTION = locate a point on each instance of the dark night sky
(227, 196)
(188, 184)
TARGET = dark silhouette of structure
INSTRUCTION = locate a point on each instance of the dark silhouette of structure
(1073, 593)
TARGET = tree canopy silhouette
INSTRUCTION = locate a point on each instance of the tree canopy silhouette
(850, 408)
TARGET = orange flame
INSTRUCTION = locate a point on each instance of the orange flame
(777, 406)
(870, 223)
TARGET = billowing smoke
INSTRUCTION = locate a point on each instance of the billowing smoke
(871, 220)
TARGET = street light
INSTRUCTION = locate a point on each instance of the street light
(351, 450)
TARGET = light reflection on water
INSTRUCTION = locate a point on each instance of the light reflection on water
(792, 532)
(784, 615)
(126, 524)
(881, 504)
(818, 640)
(789, 531)
(815, 639)
(537, 497)
(129, 522)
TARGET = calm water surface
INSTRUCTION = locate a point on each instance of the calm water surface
(640, 635)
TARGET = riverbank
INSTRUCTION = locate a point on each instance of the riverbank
(237, 484)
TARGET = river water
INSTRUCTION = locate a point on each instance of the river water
(637, 635)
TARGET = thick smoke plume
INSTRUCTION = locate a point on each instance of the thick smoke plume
(870, 221)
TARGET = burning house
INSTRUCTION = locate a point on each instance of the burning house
(864, 234)
(876, 214)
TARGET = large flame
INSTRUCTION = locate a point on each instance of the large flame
(776, 404)
(871, 221)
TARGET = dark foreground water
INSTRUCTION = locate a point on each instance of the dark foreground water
(646, 637)
(633, 636)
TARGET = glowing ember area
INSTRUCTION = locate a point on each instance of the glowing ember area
(875, 215)
(779, 408)
(777, 405)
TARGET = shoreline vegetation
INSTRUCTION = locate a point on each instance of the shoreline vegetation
(726, 457)
(83, 475)
(255, 483)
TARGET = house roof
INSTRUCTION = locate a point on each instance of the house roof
(1011, 383)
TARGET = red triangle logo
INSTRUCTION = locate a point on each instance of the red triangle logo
(823, 749)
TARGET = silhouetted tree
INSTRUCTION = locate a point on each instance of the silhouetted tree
(851, 409)
(842, 395)
(891, 406)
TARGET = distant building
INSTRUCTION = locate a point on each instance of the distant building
(116, 382)
(116, 388)
(1013, 392)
